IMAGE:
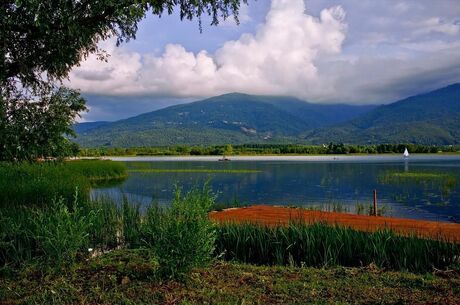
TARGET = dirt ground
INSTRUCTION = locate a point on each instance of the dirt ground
(272, 215)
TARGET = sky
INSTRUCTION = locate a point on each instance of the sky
(321, 51)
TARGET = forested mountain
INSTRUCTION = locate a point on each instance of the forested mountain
(230, 118)
(432, 118)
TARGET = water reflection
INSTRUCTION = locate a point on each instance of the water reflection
(304, 183)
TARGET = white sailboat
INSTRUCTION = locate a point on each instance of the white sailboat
(406, 153)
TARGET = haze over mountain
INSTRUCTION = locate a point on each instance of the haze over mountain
(431, 118)
(229, 118)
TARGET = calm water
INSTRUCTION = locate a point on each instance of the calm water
(307, 181)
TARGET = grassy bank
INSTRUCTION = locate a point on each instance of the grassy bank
(41, 183)
(60, 235)
(128, 277)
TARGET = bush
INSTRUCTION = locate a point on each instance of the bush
(182, 236)
(53, 236)
(62, 232)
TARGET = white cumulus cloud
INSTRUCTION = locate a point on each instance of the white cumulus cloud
(278, 59)
(374, 53)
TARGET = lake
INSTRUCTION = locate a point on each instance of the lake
(314, 181)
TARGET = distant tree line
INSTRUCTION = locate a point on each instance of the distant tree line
(264, 149)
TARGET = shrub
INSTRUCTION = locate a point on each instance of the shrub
(53, 236)
(182, 236)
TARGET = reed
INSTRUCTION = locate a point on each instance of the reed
(41, 183)
(51, 236)
(442, 178)
(321, 245)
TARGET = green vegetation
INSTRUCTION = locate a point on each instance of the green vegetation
(358, 208)
(127, 277)
(265, 149)
(182, 236)
(441, 180)
(41, 183)
(321, 245)
(60, 234)
(398, 177)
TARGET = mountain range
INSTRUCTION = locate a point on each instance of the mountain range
(431, 118)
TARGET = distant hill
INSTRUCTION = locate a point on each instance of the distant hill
(431, 118)
(230, 118)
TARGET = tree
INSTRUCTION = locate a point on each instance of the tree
(50, 37)
(31, 130)
(40, 42)
(228, 149)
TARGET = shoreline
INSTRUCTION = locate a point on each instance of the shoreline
(292, 158)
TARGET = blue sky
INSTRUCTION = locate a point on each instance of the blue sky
(323, 51)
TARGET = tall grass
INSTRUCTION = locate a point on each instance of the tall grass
(323, 245)
(96, 170)
(41, 183)
(182, 236)
(53, 236)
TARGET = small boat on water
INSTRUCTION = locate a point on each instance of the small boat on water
(406, 153)
(224, 158)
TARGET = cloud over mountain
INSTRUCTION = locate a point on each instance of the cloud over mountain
(278, 58)
(298, 53)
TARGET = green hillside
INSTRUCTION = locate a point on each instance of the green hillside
(432, 118)
(230, 118)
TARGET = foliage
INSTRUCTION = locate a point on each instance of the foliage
(430, 119)
(398, 177)
(32, 130)
(319, 245)
(50, 37)
(182, 236)
(40, 43)
(62, 232)
(52, 236)
(228, 149)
